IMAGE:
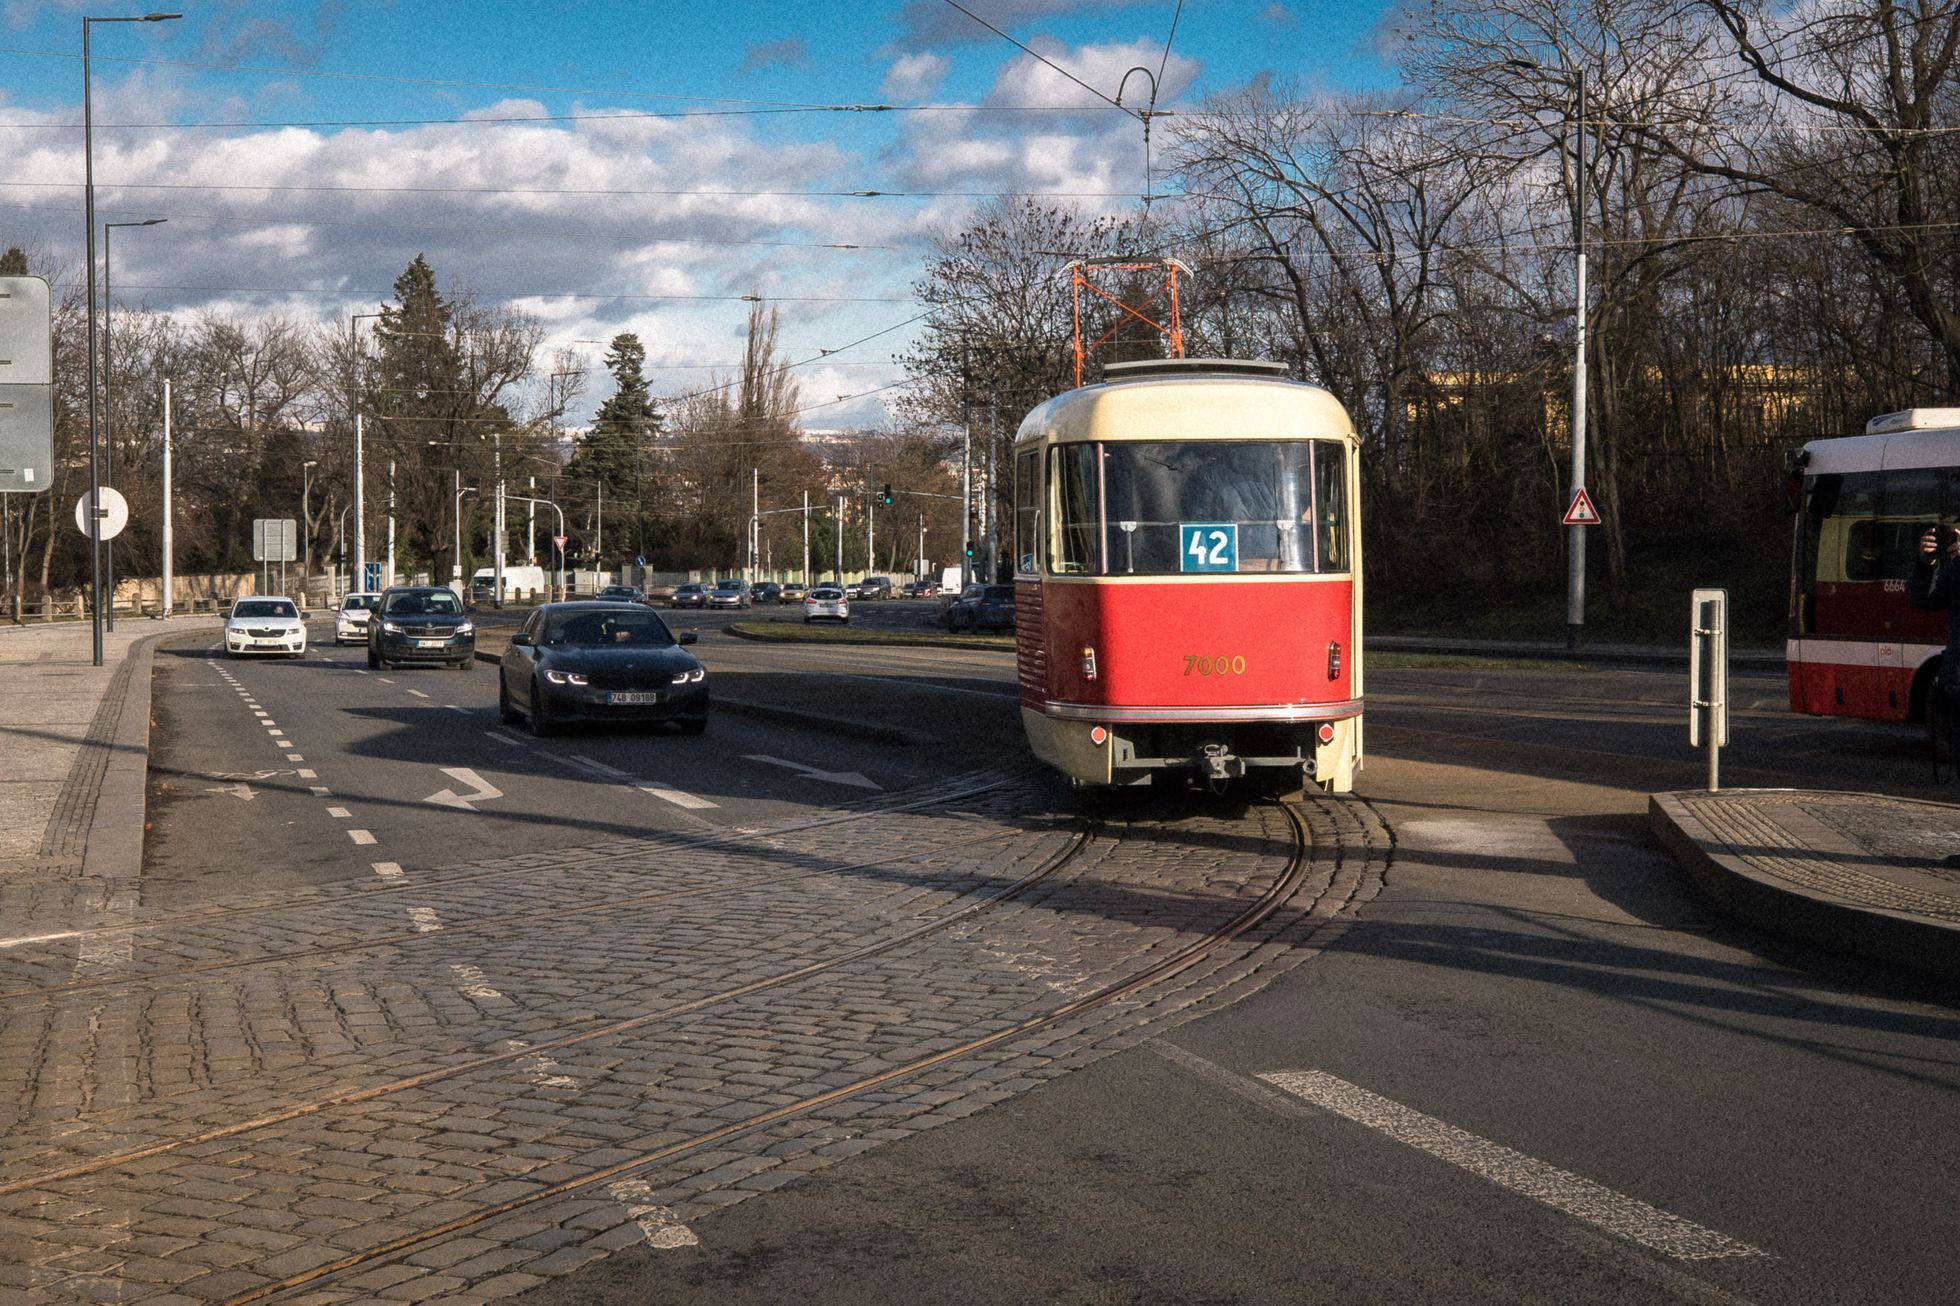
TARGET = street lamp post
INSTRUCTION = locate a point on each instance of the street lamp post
(358, 579)
(109, 405)
(456, 559)
(559, 587)
(88, 222)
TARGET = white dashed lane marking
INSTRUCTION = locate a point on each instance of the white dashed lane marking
(418, 693)
(1597, 1205)
(424, 919)
(388, 870)
(339, 813)
(361, 837)
(470, 980)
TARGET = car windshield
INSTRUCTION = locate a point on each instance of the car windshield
(265, 608)
(418, 604)
(358, 603)
(690, 589)
(826, 594)
(606, 629)
(726, 586)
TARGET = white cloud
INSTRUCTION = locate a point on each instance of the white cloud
(914, 76)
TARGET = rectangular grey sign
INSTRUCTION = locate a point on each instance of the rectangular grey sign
(26, 347)
(26, 438)
(274, 539)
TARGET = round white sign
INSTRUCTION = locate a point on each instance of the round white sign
(115, 513)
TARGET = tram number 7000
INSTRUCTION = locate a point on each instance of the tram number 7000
(1197, 665)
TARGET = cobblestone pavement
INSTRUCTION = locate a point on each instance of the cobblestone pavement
(462, 1082)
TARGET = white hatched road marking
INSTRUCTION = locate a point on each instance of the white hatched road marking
(663, 1229)
(361, 837)
(388, 870)
(424, 919)
(1581, 1198)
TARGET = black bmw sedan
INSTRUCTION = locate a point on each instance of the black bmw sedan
(601, 661)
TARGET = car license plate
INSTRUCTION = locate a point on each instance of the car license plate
(430, 643)
(628, 699)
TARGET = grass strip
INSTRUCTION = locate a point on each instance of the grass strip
(784, 632)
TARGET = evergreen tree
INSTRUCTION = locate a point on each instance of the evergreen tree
(14, 262)
(625, 425)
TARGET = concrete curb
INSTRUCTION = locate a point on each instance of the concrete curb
(1629, 655)
(114, 845)
(951, 641)
(1874, 933)
(790, 716)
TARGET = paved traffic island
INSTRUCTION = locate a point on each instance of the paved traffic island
(1865, 874)
(784, 631)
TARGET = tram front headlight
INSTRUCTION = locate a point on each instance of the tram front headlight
(1088, 662)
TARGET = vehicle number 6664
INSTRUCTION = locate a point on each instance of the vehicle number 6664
(1195, 665)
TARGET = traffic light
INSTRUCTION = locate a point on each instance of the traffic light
(885, 495)
(969, 550)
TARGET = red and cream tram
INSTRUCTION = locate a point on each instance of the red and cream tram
(1188, 577)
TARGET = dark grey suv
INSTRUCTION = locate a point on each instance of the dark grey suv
(421, 624)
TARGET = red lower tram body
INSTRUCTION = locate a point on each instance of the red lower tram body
(1861, 651)
(1123, 680)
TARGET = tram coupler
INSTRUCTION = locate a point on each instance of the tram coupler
(1220, 764)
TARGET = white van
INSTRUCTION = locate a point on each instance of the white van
(520, 584)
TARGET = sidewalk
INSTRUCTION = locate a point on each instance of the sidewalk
(1861, 873)
(1741, 657)
(74, 746)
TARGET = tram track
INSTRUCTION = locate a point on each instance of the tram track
(1160, 971)
(1048, 867)
(955, 790)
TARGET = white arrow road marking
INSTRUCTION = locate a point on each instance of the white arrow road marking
(239, 790)
(464, 776)
(1597, 1205)
(852, 778)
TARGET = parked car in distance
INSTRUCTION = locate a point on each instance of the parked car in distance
(729, 594)
(267, 624)
(991, 608)
(793, 591)
(600, 661)
(351, 618)
(826, 603)
(920, 589)
(875, 587)
(421, 624)
(767, 591)
(690, 596)
(622, 594)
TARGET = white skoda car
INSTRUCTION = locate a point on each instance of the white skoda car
(268, 624)
(351, 621)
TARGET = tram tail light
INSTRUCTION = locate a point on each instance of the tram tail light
(1088, 662)
(1333, 659)
(1098, 736)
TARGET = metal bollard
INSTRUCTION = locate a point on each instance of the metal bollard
(1708, 676)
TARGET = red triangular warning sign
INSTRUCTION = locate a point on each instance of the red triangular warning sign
(1582, 512)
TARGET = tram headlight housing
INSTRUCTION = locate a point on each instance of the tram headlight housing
(1088, 662)
(1333, 659)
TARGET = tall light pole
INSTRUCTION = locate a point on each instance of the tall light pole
(88, 221)
(168, 551)
(456, 560)
(109, 405)
(306, 516)
(358, 579)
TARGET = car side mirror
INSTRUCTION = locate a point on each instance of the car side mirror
(688, 637)
(520, 640)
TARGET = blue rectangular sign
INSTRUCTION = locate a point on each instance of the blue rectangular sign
(372, 580)
(1208, 546)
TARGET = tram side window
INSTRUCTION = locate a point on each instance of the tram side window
(1330, 505)
(1027, 513)
(1073, 469)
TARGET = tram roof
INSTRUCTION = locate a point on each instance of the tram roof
(1192, 403)
(1900, 450)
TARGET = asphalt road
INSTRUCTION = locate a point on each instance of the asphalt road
(1536, 1068)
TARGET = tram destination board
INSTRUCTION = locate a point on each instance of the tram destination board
(1208, 546)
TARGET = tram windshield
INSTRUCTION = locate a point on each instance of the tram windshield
(1200, 506)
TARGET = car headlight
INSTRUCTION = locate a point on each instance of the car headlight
(391, 627)
(466, 629)
(565, 677)
(689, 677)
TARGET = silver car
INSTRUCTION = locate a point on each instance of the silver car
(350, 621)
(826, 603)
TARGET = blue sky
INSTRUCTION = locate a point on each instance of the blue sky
(302, 155)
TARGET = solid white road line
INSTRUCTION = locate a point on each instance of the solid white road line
(361, 837)
(663, 1228)
(1616, 1213)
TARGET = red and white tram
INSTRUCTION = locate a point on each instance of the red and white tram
(1188, 577)
(1856, 648)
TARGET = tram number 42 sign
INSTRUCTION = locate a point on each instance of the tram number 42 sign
(1208, 546)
